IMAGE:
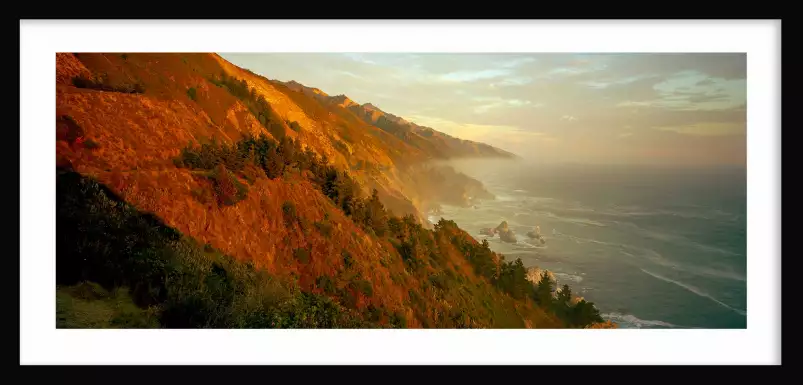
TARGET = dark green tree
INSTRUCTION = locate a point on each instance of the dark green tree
(565, 295)
(544, 291)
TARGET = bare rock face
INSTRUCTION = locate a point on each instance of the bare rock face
(508, 236)
(505, 233)
(535, 233)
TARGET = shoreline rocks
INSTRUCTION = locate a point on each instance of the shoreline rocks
(505, 233)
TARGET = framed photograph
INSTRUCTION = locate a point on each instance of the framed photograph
(528, 192)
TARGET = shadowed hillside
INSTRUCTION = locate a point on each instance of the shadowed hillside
(193, 193)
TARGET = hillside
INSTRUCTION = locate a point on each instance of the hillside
(433, 143)
(193, 193)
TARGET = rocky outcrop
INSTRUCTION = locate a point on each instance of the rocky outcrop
(535, 273)
(505, 233)
(508, 236)
(536, 234)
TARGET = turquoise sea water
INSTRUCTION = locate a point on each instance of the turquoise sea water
(652, 247)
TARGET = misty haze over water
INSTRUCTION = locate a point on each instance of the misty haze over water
(651, 246)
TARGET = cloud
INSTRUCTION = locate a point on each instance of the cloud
(470, 76)
(568, 118)
(512, 81)
(718, 65)
(517, 62)
(690, 90)
(359, 58)
(492, 103)
(705, 82)
(708, 129)
(347, 73)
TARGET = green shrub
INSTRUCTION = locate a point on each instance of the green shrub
(398, 320)
(439, 281)
(325, 227)
(326, 284)
(192, 93)
(90, 144)
(289, 213)
(348, 299)
(363, 286)
(301, 255)
(203, 195)
(385, 260)
(348, 260)
(373, 313)
(228, 189)
(397, 278)
(102, 83)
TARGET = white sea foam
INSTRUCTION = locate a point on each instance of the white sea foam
(629, 321)
(695, 291)
(579, 240)
(636, 211)
(581, 221)
(505, 198)
(568, 277)
(523, 243)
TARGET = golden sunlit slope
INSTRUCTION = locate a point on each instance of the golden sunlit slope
(133, 114)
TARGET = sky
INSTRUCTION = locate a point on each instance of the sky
(636, 108)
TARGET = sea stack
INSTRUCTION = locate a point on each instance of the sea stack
(505, 233)
(536, 234)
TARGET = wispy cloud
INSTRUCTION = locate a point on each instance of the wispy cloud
(512, 81)
(517, 62)
(470, 76)
(707, 129)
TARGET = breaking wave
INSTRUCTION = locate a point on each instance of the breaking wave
(629, 321)
(568, 277)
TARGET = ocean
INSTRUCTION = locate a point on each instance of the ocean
(651, 246)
